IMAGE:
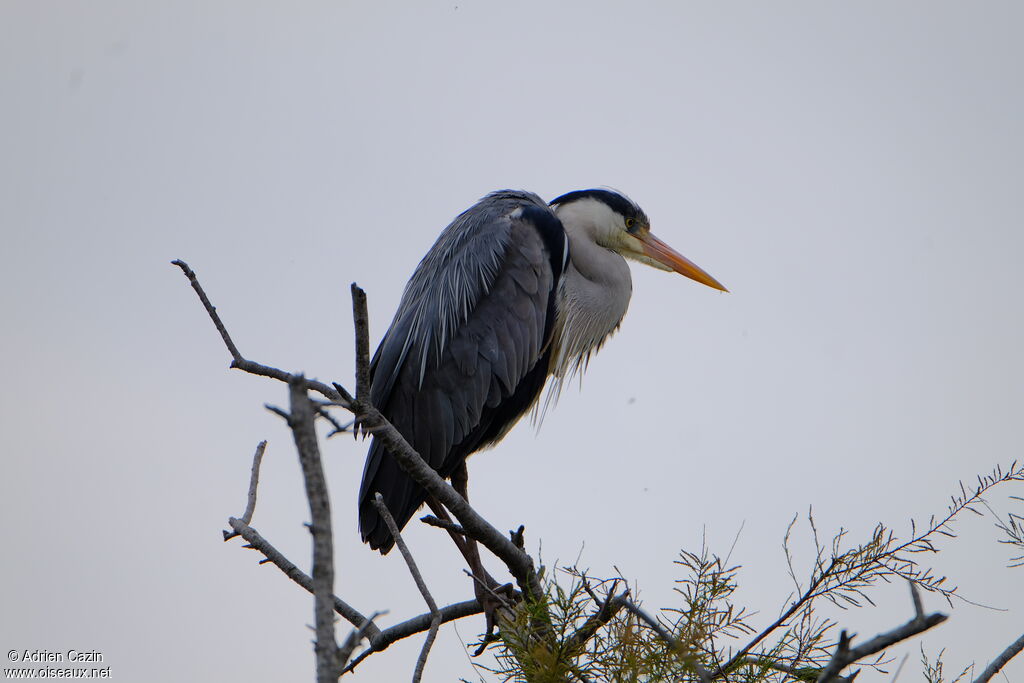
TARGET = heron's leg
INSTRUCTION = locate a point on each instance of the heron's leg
(460, 482)
(467, 546)
(491, 595)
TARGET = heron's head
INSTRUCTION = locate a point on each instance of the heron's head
(615, 222)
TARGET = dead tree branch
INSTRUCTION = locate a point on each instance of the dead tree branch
(301, 420)
(379, 639)
(210, 308)
(1015, 648)
(353, 639)
(362, 324)
(239, 362)
(254, 482)
(273, 555)
(435, 620)
(846, 655)
(446, 524)
(411, 627)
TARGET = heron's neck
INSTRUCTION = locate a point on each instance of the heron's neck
(593, 298)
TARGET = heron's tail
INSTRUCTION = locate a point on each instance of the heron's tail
(402, 497)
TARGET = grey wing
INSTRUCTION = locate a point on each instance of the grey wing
(466, 354)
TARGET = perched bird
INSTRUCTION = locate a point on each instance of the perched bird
(513, 291)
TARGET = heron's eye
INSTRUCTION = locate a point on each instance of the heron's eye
(631, 224)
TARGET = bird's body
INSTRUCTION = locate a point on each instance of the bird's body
(513, 291)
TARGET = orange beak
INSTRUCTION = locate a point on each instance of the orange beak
(673, 260)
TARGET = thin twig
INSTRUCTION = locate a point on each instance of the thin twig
(334, 422)
(435, 621)
(673, 643)
(446, 524)
(239, 362)
(254, 481)
(493, 593)
(274, 556)
(899, 668)
(1015, 648)
(210, 309)
(915, 595)
(411, 627)
(379, 639)
(353, 639)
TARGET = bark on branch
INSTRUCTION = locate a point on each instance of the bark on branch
(846, 655)
(301, 420)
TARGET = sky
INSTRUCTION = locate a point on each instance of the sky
(851, 172)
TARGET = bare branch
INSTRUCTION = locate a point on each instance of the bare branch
(446, 524)
(254, 481)
(379, 639)
(240, 363)
(301, 421)
(411, 627)
(915, 595)
(1015, 648)
(353, 639)
(435, 621)
(273, 555)
(845, 655)
(210, 309)
(339, 428)
(362, 325)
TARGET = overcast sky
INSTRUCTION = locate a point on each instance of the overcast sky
(852, 172)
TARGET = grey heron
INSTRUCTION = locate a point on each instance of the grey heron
(513, 291)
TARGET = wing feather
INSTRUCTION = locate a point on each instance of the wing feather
(462, 359)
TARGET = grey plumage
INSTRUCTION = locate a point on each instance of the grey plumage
(513, 290)
(473, 322)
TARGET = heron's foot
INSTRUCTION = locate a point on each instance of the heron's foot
(497, 602)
